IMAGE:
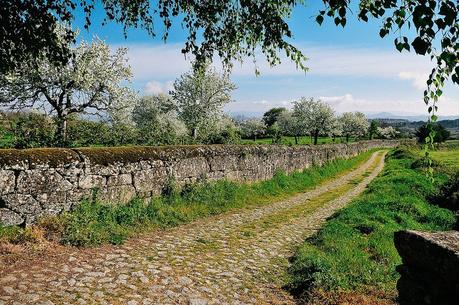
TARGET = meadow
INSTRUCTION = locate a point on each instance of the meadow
(353, 256)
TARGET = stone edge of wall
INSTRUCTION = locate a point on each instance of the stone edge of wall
(430, 267)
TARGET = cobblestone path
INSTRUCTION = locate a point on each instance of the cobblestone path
(234, 258)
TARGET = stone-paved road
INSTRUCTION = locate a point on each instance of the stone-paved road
(234, 258)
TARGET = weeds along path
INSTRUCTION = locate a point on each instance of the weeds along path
(234, 258)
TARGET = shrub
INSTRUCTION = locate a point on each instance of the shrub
(33, 130)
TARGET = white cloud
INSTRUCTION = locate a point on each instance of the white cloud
(155, 87)
(418, 80)
(349, 102)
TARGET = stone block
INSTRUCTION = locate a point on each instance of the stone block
(430, 270)
(10, 218)
(7, 181)
(91, 181)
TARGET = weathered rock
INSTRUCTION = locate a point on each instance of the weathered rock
(7, 181)
(430, 270)
(10, 218)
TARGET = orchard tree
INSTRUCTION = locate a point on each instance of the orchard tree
(253, 128)
(200, 95)
(90, 82)
(336, 129)
(373, 129)
(289, 124)
(271, 116)
(355, 124)
(157, 121)
(148, 108)
(388, 132)
(317, 116)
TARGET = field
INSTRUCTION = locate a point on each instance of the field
(448, 154)
(352, 258)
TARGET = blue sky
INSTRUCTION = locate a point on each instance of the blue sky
(351, 68)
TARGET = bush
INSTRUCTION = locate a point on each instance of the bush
(441, 134)
(448, 195)
(33, 130)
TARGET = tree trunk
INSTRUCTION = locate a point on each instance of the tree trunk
(296, 140)
(316, 135)
(62, 131)
(195, 133)
(347, 138)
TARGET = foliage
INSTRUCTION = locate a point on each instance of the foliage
(87, 133)
(33, 130)
(355, 250)
(354, 124)
(441, 134)
(373, 129)
(222, 131)
(157, 121)
(448, 195)
(316, 116)
(89, 81)
(290, 124)
(271, 116)
(199, 95)
(253, 128)
(388, 132)
(235, 29)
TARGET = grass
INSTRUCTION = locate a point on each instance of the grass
(448, 154)
(94, 223)
(354, 251)
(306, 140)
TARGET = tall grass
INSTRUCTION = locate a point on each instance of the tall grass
(94, 223)
(355, 250)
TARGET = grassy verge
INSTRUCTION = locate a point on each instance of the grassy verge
(94, 223)
(354, 252)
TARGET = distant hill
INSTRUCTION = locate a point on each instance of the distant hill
(412, 118)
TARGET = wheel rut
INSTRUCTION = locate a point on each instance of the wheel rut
(235, 258)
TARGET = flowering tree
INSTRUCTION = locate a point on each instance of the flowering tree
(354, 124)
(317, 116)
(200, 95)
(89, 83)
(253, 128)
(157, 120)
(289, 124)
(388, 132)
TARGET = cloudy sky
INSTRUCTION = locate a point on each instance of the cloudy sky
(351, 68)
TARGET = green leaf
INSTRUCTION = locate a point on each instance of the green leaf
(320, 19)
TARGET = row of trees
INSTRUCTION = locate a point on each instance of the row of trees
(308, 117)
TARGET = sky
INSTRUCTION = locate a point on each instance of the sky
(352, 69)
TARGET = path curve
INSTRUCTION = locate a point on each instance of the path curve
(234, 258)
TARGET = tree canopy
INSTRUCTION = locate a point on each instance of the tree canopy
(234, 30)
(89, 83)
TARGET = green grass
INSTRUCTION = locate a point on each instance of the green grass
(94, 223)
(301, 140)
(6, 140)
(355, 250)
(448, 154)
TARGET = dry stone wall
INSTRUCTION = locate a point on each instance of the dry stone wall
(38, 182)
